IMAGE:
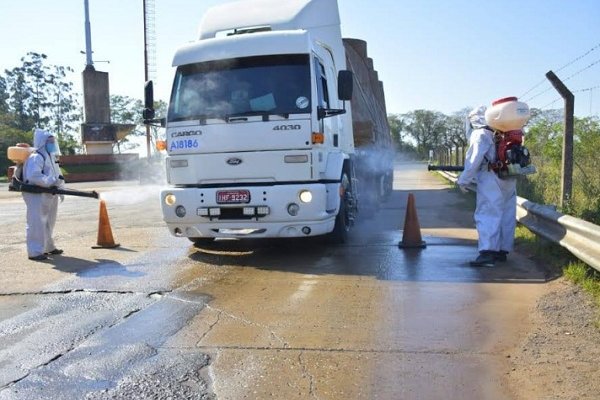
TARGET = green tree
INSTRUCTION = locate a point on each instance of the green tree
(19, 102)
(35, 72)
(62, 108)
(544, 139)
(39, 95)
(3, 97)
(397, 129)
(126, 110)
(456, 133)
(426, 128)
(10, 136)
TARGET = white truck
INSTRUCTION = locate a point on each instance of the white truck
(259, 130)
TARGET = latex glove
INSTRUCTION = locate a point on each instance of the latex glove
(463, 188)
(61, 181)
(62, 197)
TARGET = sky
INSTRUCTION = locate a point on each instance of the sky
(441, 55)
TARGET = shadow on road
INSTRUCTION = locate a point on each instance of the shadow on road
(89, 268)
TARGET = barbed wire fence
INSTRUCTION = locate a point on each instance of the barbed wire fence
(575, 175)
(538, 97)
(571, 180)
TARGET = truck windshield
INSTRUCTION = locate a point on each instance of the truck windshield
(271, 85)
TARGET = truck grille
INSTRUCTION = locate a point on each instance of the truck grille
(234, 213)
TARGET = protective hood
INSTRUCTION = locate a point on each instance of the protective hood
(477, 117)
(40, 138)
(475, 120)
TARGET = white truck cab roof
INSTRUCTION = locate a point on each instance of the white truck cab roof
(278, 15)
(260, 43)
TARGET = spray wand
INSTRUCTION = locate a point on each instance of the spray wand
(17, 185)
(454, 168)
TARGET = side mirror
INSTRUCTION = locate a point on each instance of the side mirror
(148, 112)
(149, 94)
(345, 85)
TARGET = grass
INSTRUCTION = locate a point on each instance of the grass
(556, 256)
(543, 250)
(586, 277)
(3, 179)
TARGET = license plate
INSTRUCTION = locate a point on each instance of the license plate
(233, 196)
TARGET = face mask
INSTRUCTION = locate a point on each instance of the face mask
(51, 148)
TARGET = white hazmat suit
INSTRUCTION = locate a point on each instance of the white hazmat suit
(41, 169)
(495, 213)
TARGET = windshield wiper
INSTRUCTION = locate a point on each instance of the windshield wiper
(202, 118)
(264, 114)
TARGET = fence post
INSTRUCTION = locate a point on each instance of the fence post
(566, 185)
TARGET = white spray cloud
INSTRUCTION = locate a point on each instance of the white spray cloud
(131, 196)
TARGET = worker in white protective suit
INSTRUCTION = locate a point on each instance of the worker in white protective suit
(41, 169)
(495, 213)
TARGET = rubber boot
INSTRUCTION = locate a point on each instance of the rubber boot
(486, 258)
(501, 255)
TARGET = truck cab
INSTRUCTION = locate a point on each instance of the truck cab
(259, 130)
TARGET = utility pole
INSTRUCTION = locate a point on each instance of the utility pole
(146, 75)
(88, 37)
(566, 185)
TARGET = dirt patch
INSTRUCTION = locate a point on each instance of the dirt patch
(560, 357)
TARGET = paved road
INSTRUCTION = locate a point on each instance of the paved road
(158, 317)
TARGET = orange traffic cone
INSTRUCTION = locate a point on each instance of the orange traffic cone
(411, 235)
(105, 237)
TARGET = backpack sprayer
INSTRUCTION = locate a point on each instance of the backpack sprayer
(19, 154)
(505, 118)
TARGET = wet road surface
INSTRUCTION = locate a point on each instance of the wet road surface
(262, 319)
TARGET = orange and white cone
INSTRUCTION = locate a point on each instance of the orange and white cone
(411, 235)
(105, 237)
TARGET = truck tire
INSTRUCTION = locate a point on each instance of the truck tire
(339, 235)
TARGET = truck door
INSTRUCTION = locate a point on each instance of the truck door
(324, 86)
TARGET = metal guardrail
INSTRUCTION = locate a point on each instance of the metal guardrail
(580, 237)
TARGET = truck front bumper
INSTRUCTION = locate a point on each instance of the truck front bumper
(195, 212)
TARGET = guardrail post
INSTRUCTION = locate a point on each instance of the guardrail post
(566, 186)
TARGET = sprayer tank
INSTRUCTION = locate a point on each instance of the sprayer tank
(19, 154)
(507, 114)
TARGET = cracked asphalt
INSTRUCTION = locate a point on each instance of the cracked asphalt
(159, 318)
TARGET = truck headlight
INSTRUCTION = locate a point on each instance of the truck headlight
(170, 199)
(306, 196)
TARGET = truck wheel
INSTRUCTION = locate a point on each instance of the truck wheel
(339, 235)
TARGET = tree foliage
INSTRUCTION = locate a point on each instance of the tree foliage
(36, 94)
(9, 137)
(544, 139)
(430, 130)
(127, 110)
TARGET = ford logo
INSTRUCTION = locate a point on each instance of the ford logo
(234, 161)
